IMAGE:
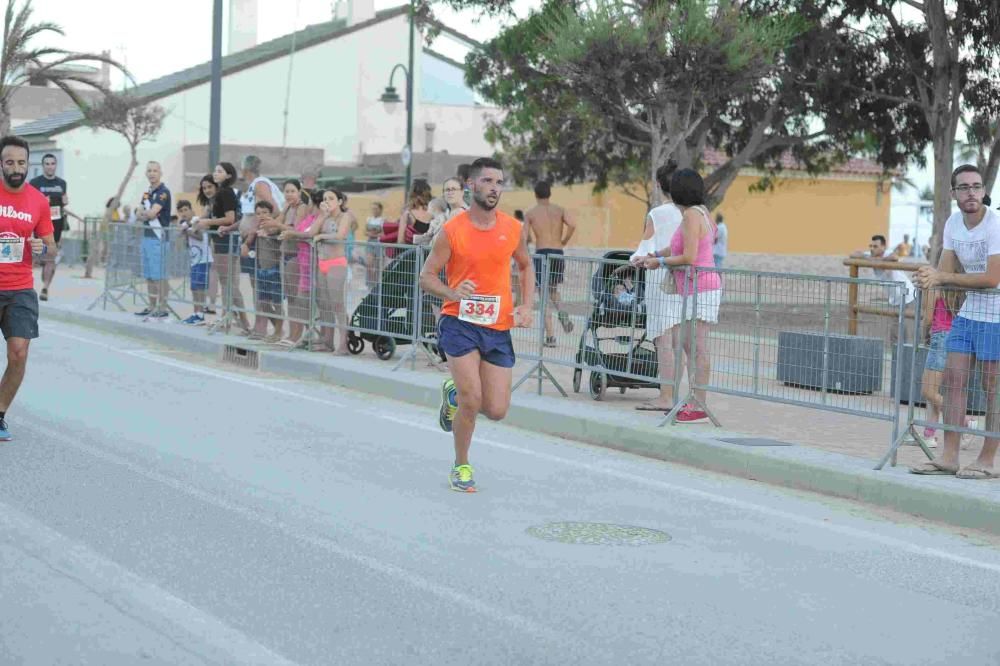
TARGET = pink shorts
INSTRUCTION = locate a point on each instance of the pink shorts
(326, 264)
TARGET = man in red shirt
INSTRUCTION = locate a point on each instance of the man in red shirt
(24, 213)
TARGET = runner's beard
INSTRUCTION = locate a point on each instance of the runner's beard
(13, 180)
(484, 202)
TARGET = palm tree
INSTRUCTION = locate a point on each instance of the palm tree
(22, 63)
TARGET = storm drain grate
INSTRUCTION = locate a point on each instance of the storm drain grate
(598, 534)
(753, 441)
(243, 358)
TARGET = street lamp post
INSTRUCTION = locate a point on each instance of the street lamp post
(390, 98)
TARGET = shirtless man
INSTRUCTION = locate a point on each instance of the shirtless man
(551, 227)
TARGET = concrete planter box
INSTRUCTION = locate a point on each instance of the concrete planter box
(854, 364)
(977, 397)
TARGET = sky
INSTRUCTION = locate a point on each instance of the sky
(186, 27)
(185, 30)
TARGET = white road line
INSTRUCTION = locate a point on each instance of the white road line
(122, 587)
(600, 470)
(514, 620)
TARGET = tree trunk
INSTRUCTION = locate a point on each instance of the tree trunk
(991, 165)
(4, 117)
(96, 252)
(656, 159)
(943, 165)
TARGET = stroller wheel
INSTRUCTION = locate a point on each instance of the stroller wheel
(385, 347)
(598, 385)
(355, 345)
(577, 377)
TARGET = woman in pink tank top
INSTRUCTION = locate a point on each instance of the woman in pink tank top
(691, 245)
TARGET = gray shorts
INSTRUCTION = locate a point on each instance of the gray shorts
(19, 314)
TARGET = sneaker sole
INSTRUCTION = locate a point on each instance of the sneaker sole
(457, 489)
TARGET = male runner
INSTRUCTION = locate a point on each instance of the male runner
(24, 211)
(474, 249)
(551, 227)
(971, 239)
(54, 188)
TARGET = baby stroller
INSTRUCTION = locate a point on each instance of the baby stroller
(387, 311)
(636, 356)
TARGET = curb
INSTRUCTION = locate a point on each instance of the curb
(945, 500)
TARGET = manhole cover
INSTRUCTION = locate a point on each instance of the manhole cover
(598, 534)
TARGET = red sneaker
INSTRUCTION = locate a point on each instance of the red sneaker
(689, 414)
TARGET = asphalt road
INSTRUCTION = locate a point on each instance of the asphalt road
(157, 510)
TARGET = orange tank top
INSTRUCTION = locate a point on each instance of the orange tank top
(483, 257)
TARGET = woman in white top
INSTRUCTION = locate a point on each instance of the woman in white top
(663, 310)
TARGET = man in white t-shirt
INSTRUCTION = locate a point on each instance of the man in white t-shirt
(972, 239)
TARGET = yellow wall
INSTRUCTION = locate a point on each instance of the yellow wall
(800, 216)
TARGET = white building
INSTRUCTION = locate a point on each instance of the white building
(332, 75)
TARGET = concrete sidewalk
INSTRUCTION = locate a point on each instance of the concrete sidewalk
(828, 453)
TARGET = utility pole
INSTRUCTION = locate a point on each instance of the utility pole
(215, 113)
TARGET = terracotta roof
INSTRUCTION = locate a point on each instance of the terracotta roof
(855, 166)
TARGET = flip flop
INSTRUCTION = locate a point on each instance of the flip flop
(651, 408)
(977, 474)
(932, 468)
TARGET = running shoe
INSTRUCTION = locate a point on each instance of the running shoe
(160, 314)
(199, 321)
(449, 404)
(144, 313)
(690, 414)
(194, 320)
(44, 296)
(565, 321)
(5, 434)
(210, 311)
(461, 479)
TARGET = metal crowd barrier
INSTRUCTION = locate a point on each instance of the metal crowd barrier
(601, 324)
(948, 375)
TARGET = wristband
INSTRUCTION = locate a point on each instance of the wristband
(663, 261)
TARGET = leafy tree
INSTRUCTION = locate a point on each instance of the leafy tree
(926, 57)
(133, 119)
(22, 63)
(608, 90)
(982, 144)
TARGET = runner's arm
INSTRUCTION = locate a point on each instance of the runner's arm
(50, 243)
(569, 227)
(430, 276)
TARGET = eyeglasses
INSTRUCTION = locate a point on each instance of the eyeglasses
(965, 189)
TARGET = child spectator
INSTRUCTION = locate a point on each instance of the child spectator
(201, 260)
(373, 230)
